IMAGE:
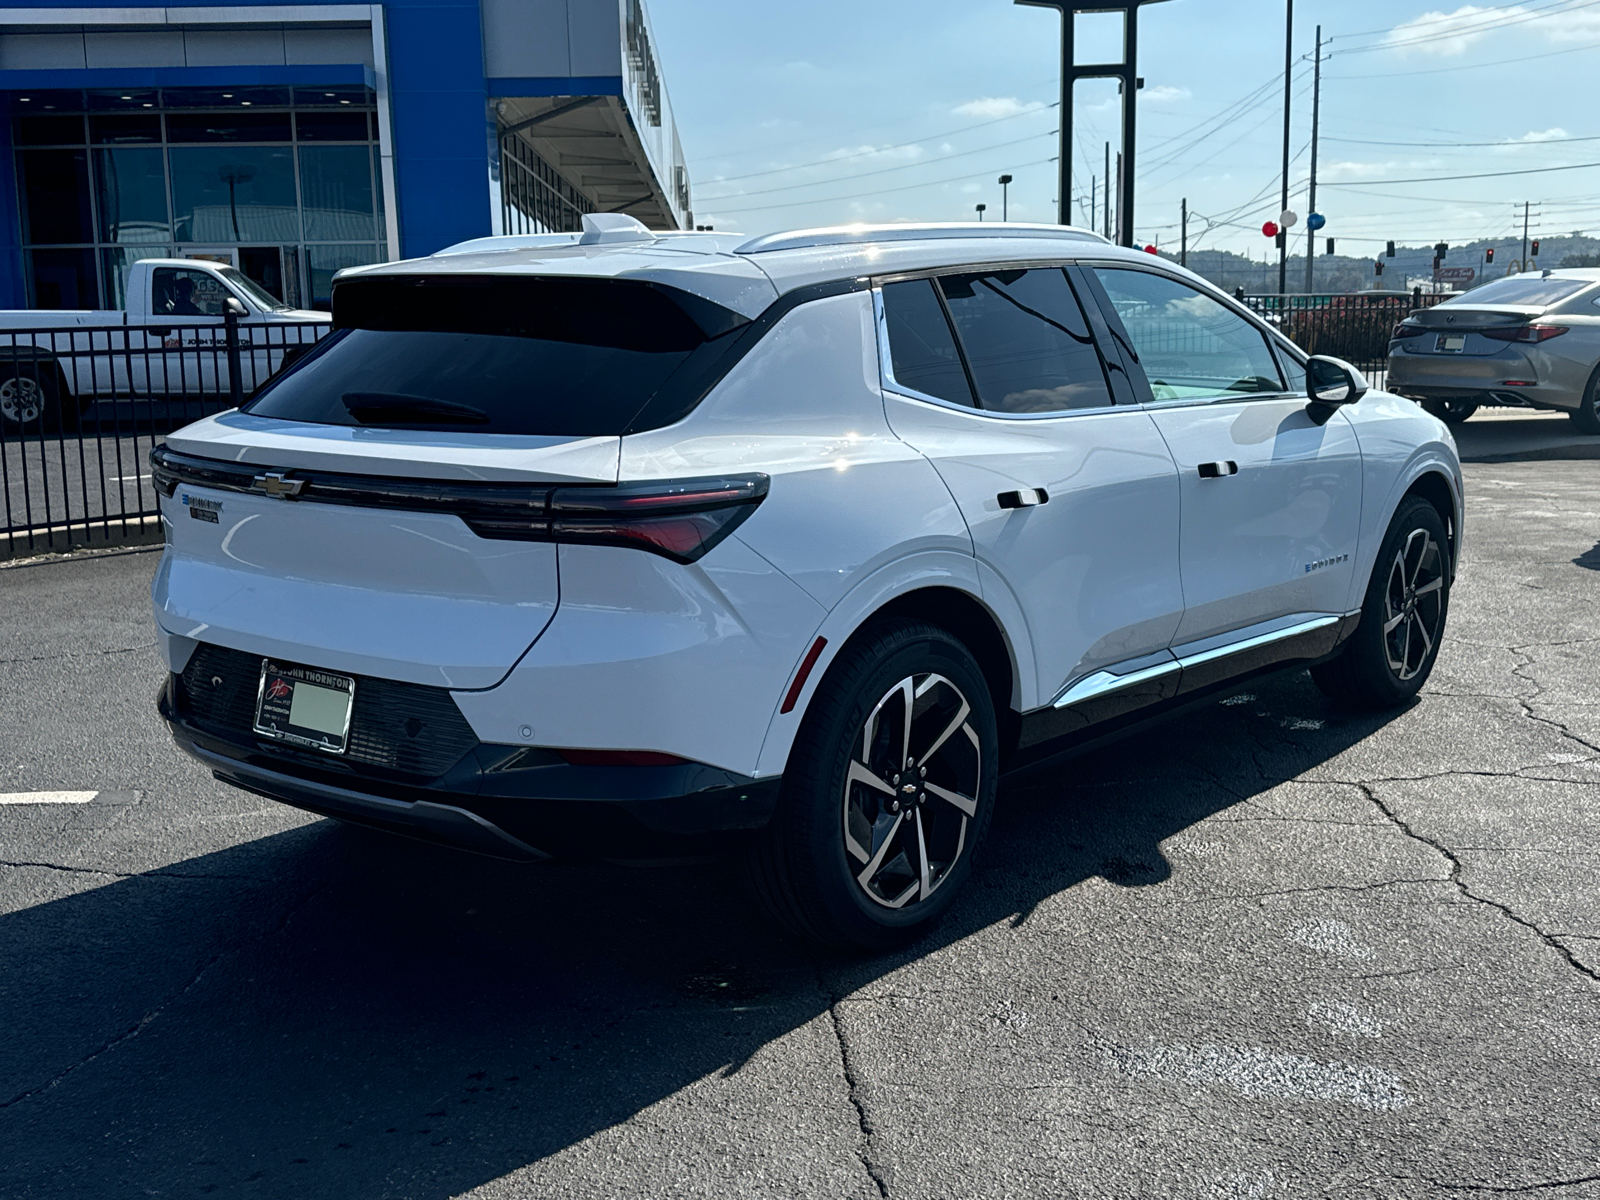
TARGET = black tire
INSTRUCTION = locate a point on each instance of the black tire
(1451, 412)
(806, 867)
(1385, 662)
(30, 398)
(1587, 415)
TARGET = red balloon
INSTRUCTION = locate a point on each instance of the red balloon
(1270, 229)
(1151, 250)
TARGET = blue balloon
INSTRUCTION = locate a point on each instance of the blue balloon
(1315, 222)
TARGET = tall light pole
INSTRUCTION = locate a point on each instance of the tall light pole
(981, 208)
(1005, 207)
(1311, 199)
(1288, 68)
(1126, 72)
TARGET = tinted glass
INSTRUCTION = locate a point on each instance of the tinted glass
(1190, 345)
(118, 265)
(1515, 289)
(122, 129)
(1027, 341)
(1293, 372)
(327, 261)
(224, 194)
(228, 127)
(63, 278)
(133, 196)
(346, 126)
(55, 188)
(336, 193)
(921, 347)
(49, 131)
(178, 293)
(577, 357)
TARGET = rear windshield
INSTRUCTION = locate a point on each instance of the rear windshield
(1534, 292)
(554, 357)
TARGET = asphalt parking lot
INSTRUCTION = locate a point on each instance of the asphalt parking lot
(1268, 950)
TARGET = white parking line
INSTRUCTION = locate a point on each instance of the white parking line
(47, 797)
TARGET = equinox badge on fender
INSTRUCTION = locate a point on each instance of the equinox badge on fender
(274, 484)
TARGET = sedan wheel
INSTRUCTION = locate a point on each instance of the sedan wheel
(888, 792)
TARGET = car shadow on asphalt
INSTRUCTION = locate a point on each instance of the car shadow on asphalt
(1590, 558)
(334, 1012)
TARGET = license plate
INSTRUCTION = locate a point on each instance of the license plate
(1451, 343)
(304, 706)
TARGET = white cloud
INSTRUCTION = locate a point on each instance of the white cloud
(1332, 172)
(1448, 34)
(1543, 135)
(1164, 94)
(870, 153)
(988, 107)
(972, 189)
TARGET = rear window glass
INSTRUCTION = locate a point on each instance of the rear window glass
(922, 350)
(1516, 290)
(550, 357)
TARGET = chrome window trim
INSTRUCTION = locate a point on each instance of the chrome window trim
(888, 383)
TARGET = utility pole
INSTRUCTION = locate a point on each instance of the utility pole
(1288, 90)
(1005, 206)
(1122, 216)
(1311, 201)
(1183, 226)
(1091, 202)
(1105, 206)
(1523, 265)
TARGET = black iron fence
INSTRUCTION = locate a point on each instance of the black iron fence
(1353, 326)
(82, 406)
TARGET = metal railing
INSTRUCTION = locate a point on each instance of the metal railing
(1354, 326)
(81, 407)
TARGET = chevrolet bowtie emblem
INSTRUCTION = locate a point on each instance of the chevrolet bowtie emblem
(274, 484)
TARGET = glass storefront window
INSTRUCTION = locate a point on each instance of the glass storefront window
(63, 278)
(228, 194)
(55, 196)
(133, 197)
(336, 193)
(325, 260)
(119, 262)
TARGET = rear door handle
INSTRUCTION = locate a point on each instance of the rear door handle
(1023, 498)
(1218, 470)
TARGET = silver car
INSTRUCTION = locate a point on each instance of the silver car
(1527, 341)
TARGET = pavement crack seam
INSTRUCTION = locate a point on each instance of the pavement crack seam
(48, 866)
(869, 1135)
(1512, 1189)
(1456, 869)
(138, 1026)
(1527, 705)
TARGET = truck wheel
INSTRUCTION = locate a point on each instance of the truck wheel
(1385, 662)
(1451, 412)
(888, 793)
(29, 399)
(1587, 415)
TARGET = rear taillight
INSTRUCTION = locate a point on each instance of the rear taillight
(1525, 333)
(681, 519)
(1407, 330)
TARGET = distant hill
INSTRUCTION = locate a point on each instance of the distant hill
(1411, 266)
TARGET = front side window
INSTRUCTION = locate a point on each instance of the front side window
(178, 293)
(1191, 346)
(1027, 342)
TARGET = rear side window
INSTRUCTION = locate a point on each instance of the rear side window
(922, 349)
(1027, 342)
(534, 356)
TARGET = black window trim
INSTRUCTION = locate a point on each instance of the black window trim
(888, 382)
(1276, 343)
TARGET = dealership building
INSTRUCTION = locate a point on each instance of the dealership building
(293, 139)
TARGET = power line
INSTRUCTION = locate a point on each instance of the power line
(877, 192)
(1479, 175)
(1498, 62)
(1460, 145)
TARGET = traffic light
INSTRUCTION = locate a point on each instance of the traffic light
(1330, 245)
(1377, 267)
(1536, 247)
(1488, 255)
(1441, 249)
(1389, 253)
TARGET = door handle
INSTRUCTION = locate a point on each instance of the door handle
(1218, 470)
(1023, 498)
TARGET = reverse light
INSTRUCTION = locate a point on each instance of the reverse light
(1407, 330)
(1525, 333)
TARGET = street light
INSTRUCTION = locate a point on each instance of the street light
(981, 209)
(1005, 208)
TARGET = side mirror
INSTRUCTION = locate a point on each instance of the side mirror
(1332, 381)
(236, 306)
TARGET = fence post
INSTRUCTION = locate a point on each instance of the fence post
(230, 321)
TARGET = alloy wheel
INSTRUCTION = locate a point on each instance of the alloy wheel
(21, 399)
(911, 791)
(1413, 604)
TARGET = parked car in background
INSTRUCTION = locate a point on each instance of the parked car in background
(637, 543)
(168, 340)
(1530, 340)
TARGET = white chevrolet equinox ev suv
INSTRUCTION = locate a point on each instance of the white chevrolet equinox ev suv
(635, 544)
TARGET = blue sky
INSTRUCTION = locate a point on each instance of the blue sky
(831, 110)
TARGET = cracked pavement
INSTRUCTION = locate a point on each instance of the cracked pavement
(1269, 949)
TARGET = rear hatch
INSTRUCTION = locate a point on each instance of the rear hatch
(376, 509)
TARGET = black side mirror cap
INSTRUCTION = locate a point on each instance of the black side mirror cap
(1332, 381)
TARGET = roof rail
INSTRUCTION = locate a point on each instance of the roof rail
(514, 241)
(843, 235)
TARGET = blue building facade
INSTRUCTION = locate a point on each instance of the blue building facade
(293, 139)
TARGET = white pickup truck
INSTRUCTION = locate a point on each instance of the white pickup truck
(169, 343)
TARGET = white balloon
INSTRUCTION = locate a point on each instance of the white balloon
(1287, 217)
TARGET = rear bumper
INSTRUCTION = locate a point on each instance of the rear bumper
(511, 802)
(1478, 379)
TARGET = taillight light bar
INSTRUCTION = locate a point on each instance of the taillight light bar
(681, 519)
(1406, 330)
(1525, 333)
